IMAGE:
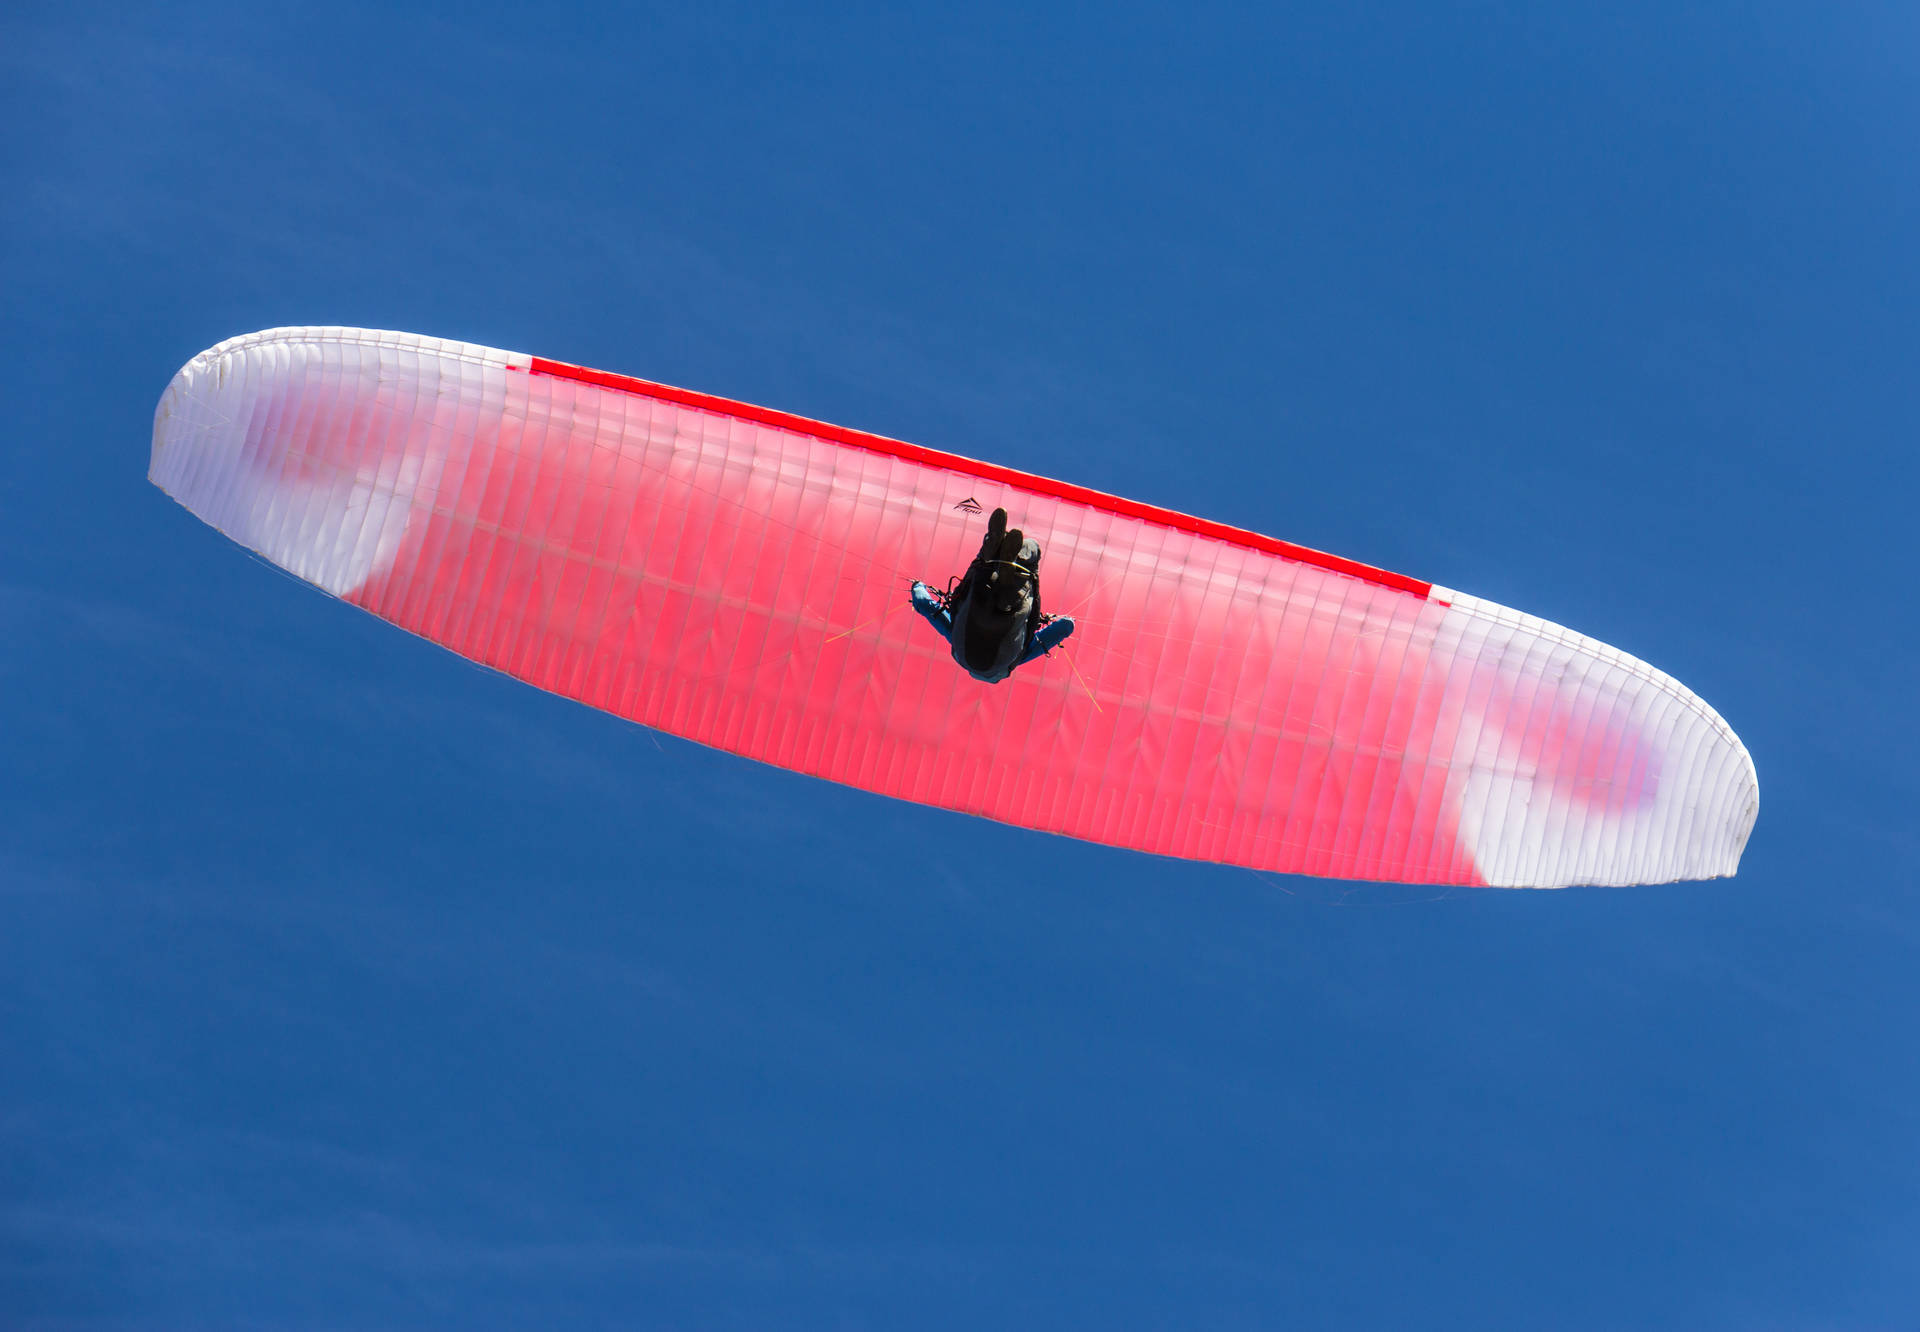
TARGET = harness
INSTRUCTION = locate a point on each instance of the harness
(947, 597)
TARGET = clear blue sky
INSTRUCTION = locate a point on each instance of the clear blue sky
(344, 985)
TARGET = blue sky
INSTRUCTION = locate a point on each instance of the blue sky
(345, 985)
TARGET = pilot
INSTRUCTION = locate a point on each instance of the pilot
(992, 619)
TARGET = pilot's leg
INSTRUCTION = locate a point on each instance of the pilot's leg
(1052, 634)
(931, 610)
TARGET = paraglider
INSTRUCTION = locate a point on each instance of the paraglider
(992, 619)
(731, 574)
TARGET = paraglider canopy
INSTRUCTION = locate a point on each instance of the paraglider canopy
(733, 575)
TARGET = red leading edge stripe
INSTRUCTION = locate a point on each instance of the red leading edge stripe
(860, 439)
